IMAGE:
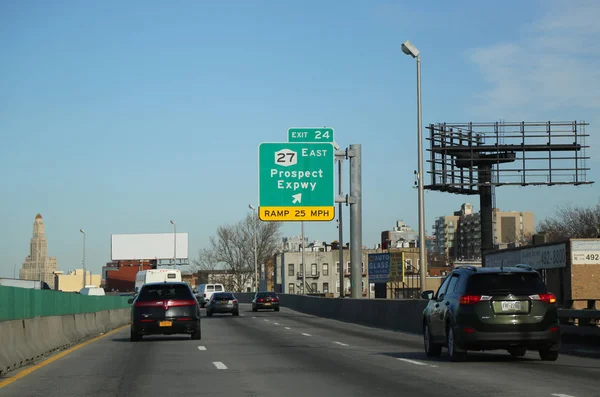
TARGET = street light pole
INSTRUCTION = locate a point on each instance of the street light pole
(83, 262)
(255, 221)
(174, 243)
(409, 49)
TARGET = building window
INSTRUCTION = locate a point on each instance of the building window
(313, 269)
(347, 267)
(291, 269)
(325, 288)
(337, 286)
(325, 267)
(313, 287)
(337, 267)
(291, 288)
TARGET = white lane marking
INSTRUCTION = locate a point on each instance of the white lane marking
(201, 348)
(276, 323)
(219, 365)
(253, 317)
(341, 344)
(562, 395)
(242, 315)
(266, 319)
(306, 334)
(406, 360)
(287, 328)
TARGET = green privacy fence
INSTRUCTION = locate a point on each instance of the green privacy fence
(17, 303)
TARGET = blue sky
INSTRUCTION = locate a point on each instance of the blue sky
(116, 117)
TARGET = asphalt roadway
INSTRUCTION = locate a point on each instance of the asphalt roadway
(287, 354)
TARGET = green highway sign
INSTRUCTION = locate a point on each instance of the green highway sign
(310, 134)
(296, 181)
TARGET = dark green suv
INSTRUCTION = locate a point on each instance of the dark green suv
(491, 308)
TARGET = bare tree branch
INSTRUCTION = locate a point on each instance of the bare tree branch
(233, 245)
(578, 222)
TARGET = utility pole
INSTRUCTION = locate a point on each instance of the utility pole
(255, 223)
(174, 243)
(83, 261)
(409, 49)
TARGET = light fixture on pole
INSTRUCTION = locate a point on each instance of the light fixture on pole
(83, 261)
(254, 222)
(174, 242)
(409, 49)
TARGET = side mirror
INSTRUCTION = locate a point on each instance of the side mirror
(427, 294)
(130, 301)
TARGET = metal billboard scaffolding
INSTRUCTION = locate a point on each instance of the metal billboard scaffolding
(474, 158)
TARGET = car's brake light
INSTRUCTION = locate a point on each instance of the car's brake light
(473, 299)
(275, 299)
(548, 298)
(181, 303)
(184, 318)
(149, 304)
(259, 300)
(235, 301)
(205, 294)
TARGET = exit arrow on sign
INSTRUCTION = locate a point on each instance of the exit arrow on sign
(297, 198)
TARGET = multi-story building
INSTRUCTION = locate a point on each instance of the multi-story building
(38, 265)
(401, 236)
(73, 281)
(458, 237)
(445, 232)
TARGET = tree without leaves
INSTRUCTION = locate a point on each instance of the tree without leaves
(233, 245)
(578, 222)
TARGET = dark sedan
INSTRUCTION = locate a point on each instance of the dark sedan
(265, 300)
(165, 309)
(222, 302)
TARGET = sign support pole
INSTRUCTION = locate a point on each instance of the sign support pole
(356, 220)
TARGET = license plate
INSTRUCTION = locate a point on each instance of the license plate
(165, 323)
(511, 306)
(267, 304)
(222, 302)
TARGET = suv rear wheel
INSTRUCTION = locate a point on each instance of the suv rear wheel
(517, 351)
(548, 355)
(431, 349)
(454, 351)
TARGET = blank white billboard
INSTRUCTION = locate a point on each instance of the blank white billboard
(148, 246)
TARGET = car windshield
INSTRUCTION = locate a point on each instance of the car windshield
(164, 291)
(506, 283)
(223, 296)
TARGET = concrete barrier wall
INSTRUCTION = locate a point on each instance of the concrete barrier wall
(24, 341)
(396, 314)
(400, 315)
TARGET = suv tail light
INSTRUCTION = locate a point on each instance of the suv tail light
(166, 303)
(259, 299)
(235, 301)
(275, 299)
(473, 299)
(548, 298)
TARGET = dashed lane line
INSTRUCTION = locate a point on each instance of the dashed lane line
(415, 362)
(219, 365)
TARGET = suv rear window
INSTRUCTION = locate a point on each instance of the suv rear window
(218, 288)
(165, 291)
(223, 296)
(266, 294)
(506, 283)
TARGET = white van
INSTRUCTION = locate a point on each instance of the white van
(205, 292)
(92, 291)
(156, 276)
